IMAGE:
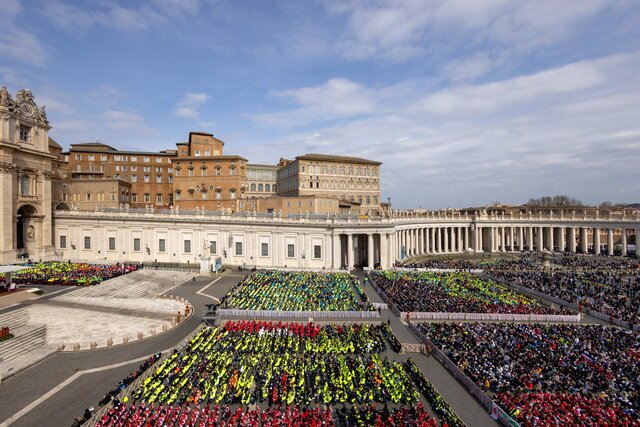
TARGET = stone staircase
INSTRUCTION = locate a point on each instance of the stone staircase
(15, 319)
(26, 338)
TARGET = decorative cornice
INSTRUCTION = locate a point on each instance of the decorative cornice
(7, 167)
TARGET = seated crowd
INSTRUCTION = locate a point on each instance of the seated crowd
(296, 291)
(69, 273)
(453, 293)
(613, 292)
(582, 371)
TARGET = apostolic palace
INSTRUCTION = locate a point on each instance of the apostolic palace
(317, 211)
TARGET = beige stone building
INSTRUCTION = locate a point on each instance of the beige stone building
(25, 178)
(262, 181)
(345, 178)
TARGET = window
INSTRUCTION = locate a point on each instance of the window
(177, 196)
(162, 245)
(197, 153)
(260, 187)
(158, 159)
(317, 251)
(213, 247)
(146, 178)
(134, 178)
(134, 197)
(204, 172)
(203, 195)
(218, 171)
(302, 169)
(24, 133)
(190, 172)
(159, 179)
(136, 244)
(91, 157)
(63, 242)
(146, 159)
(24, 185)
(88, 197)
(187, 246)
(207, 152)
(134, 158)
(238, 248)
(112, 243)
(117, 168)
(103, 158)
(218, 195)
(232, 171)
(291, 250)
(147, 197)
(232, 193)
(264, 249)
(146, 169)
(253, 187)
(158, 170)
(78, 156)
(170, 179)
(159, 198)
(267, 187)
(275, 188)
(134, 169)
(170, 199)
(87, 242)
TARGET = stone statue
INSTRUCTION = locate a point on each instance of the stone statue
(31, 234)
(206, 245)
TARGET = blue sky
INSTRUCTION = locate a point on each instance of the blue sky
(466, 102)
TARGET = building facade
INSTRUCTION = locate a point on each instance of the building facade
(26, 164)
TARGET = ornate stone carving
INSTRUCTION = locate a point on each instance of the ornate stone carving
(47, 174)
(6, 167)
(24, 106)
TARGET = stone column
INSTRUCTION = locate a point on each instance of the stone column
(624, 242)
(551, 244)
(466, 244)
(350, 251)
(610, 241)
(439, 240)
(445, 246)
(521, 238)
(596, 241)
(432, 239)
(336, 250)
(480, 232)
(530, 238)
(584, 244)
(383, 250)
(452, 239)
(561, 236)
(540, 239)
(370, 260)
(637, 242)
(572, 239)
(503, 246)
(426, 241)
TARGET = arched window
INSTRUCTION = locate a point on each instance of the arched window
(24, 185)
(275, 188)
(260, 187)
(253, 187)
(368, 199)
(267, 187)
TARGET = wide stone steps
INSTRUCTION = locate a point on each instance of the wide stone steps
(26, 339)
(14, 319)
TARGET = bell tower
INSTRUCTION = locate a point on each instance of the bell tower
(25, 179)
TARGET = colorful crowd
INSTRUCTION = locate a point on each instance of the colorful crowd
(69, 273)
(557, 366)
(453, 293)
(296, 291)
(291, 364)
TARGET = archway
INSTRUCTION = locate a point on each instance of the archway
(25, 212)
(63, 206)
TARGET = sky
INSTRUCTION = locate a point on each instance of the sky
(466, 102)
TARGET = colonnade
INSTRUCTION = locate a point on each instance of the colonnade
(483, 237)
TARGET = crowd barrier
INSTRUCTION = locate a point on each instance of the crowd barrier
(380, 305)
(312, 270)
(492, 316)
(496, 412)
(232, 312)
(384, 297)
(571, 305)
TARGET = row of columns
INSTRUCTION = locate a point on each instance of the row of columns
(455, 239)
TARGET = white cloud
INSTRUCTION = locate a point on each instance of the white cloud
(121, 120)
(17, 42)
(188, 107)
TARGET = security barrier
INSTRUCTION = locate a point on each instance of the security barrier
(232, 312)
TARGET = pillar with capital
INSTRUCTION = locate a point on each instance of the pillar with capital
(439, 240)
(584, 244)
(350, 251)
(540, 239)
(596, 241)
(337, 250)
(530, 238)
(624, 242)
(370, 260)
(426, 241)
(383, 250)
(551, 244)
(610, 241)
(572, 239)
(561, 235)
(520, 238)
(445, 245)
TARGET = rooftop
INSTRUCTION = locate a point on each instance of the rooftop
(337, 159)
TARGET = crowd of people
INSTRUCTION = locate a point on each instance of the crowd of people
(296, 291)
(247, 362)
(453, 293)
(69, 273)
(592, 366)
(143, 415)
(402, 416)
(613, 290)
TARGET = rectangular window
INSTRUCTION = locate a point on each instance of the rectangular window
(178, 196)
(264, 249)
(134, 169)
(63, 242)
(134, 197)
(136, 244)
(112, 243)
(158, 170)
(197, 153)
(317, 251)
(170, 179)
(207, 152)
(147, 197)
(213, 249)
(158, 159)
(232, 171)
(134, 158)
(187, 246)
(24, 133)
(159, 179)
(147, 160)
(147, 169)
(134, 178)
(88, 196)
(162, 245)
(238, 248)
(78, 156)
(146, 178)
(159, 198)
(87, 242)
(291, 250)
(103, 158)
(91, 157)
(218, 195)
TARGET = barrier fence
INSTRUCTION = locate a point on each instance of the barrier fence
(439, 270)
(384, 297)
(232, 312)
(496, 412)
(492, 316)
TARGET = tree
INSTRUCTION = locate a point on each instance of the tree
(559, 200)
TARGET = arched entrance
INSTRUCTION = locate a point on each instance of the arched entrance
(24, 230)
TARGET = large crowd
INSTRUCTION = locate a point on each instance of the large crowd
(569, 372)
(612, 289)
(296, 291)
(69, 273)
(453, 293)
